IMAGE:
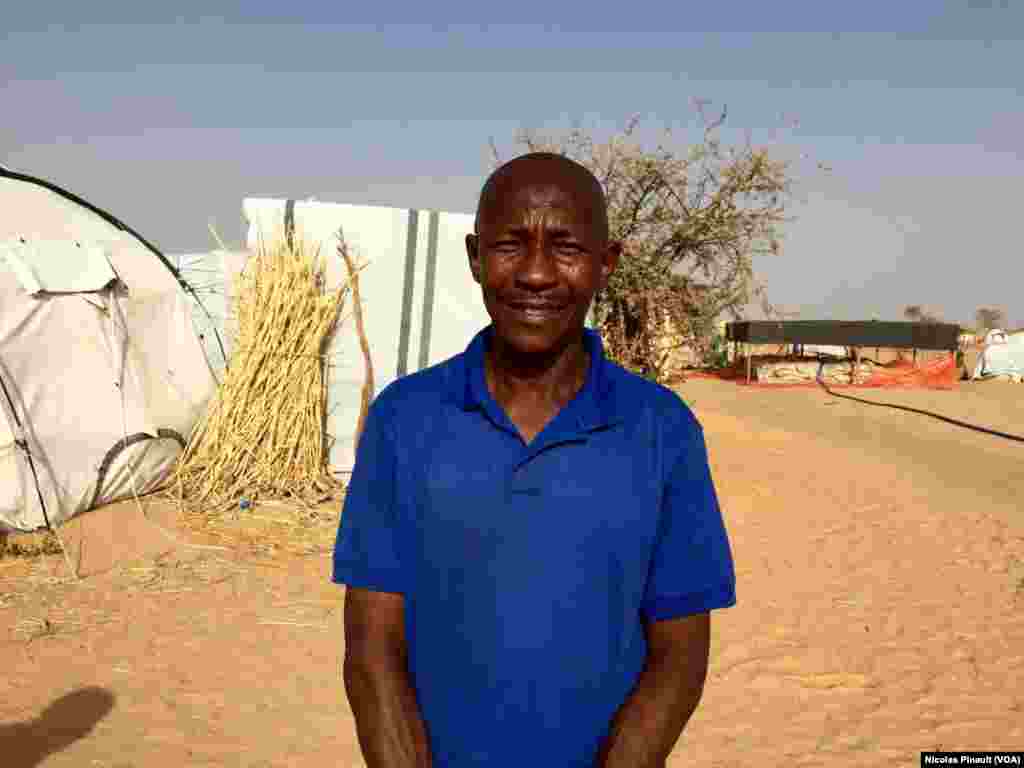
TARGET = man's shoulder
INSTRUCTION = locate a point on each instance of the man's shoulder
(423, 392)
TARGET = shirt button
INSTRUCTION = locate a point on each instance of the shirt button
(527, 491)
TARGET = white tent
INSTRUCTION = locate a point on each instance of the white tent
(211, 308)
(420, 303)
(1003, 355)
(102, 376)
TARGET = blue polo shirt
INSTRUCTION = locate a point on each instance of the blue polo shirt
(528, 570)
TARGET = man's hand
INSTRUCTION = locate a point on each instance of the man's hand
(388, 721)
(648, 725)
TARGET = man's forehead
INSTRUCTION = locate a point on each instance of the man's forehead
(550, 186)
(542, 179)
(539, 198)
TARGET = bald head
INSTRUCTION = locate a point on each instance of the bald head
(545, 169)
(541, 252)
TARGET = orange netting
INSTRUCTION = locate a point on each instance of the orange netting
(939, 373)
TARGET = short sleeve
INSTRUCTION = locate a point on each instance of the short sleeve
(692, 567)
(366, 550)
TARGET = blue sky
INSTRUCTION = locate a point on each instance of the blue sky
(169, 117)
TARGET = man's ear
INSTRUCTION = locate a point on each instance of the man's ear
(610, 261)
(473, 252)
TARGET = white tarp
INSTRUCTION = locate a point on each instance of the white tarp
(57, 266)
(205, 273)
(420, 303)
(1003, 355)
(81, 371)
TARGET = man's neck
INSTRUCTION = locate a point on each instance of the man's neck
(541, 380)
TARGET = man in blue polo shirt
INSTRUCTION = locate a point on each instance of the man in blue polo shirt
(531, 539)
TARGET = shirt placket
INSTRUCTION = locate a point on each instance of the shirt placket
(520, 481)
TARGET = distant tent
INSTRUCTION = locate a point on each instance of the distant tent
(102, 377)
(1003, 355)
(995, 336)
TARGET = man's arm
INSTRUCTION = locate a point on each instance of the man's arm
(649, 723)
(388, 721)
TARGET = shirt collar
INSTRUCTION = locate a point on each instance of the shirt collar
(594, 405)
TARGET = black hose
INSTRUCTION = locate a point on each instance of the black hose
(939, 416)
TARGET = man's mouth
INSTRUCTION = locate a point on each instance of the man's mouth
(536, 310)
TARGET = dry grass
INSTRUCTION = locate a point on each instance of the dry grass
(168, 574)
(272, 528)
(55, 622)
(30, 545)
(264, 436)
(40, 598)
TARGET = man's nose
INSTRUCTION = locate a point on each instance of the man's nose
(538, 269)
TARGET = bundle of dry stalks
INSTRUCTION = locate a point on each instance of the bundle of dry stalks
(264, 436)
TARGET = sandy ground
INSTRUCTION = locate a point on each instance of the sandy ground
(880, 558)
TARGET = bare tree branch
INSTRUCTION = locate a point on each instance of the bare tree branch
(716, 124)
(691, 224)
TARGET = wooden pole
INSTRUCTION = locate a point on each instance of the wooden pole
(368, 385)
(748, 363)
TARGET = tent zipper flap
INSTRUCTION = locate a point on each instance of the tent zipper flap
(24, 451)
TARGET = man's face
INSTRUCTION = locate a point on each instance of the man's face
(539, 257)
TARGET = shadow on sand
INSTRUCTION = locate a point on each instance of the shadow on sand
(65, 721)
